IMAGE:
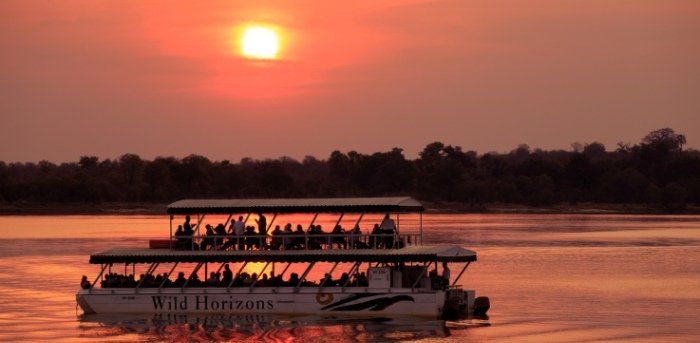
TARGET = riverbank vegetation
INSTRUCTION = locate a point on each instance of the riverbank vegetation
(656, 173)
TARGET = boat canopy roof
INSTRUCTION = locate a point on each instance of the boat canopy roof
(448, 253)
(312, 205)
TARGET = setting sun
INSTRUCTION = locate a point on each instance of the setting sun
(260, 42)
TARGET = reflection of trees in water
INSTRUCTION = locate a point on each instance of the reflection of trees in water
(223, 327)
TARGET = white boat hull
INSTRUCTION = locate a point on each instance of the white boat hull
(267, 300)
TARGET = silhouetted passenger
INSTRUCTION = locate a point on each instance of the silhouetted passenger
(287, 239)
(276, 242)
(343, 280)
(375, 239)
(293, 279)
(299, 241)
(338, 238)
(188, 232)
(356, 238)
(231, 242)
(213, 280)
(182, 241)
(251, 239)
(388, 229)
(84, 283)
(180, 281)
(445, 274)
(362, 280)
(208, 242)
(316, 237)
(220, 230)
(228, 275)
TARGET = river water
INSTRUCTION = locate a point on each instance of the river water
(563, 278)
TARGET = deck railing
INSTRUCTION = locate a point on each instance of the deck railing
(295, 241)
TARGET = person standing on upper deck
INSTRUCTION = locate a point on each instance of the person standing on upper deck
(262, 230)
(388, 224)
(388, 229)
(188, 232)
(262, 224)
(239, 231)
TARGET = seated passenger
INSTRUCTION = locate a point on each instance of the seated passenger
(327, 280)
(251, 238)
(84, 283)
(316, 237)
(220, 230)
(362, 280)
(213, 280)
(287, 240)
(375, 237)
(338, 238)
(356, 238)
(299, 241)
(293, 280)
(180, 281)
(277, 240)
(228, 275)
(182, 241)
(209, 241)
(342, 282)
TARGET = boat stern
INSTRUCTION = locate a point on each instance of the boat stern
(458, 302)
(81, 299)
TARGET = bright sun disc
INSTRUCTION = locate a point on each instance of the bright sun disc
(260, 42)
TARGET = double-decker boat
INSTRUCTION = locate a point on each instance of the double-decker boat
(386, 272)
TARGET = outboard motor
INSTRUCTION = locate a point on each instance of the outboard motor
(481, 306)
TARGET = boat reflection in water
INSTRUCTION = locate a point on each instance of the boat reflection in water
(222, 327)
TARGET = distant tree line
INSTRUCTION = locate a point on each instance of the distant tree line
(656, 171)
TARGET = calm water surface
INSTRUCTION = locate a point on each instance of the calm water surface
(563, 278)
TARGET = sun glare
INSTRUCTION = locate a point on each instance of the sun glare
(260, 43)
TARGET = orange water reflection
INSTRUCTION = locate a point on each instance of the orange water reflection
(550, 278)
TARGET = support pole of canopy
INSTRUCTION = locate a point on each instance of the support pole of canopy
(285, 269)
(200, 218)
(357, 274)
(165, 279)
(98, 277)
(306, 272)
(230, 215)
(313, 220)
(170, 242)
(359, 219)
(420, 277)
(421, 228)
(352, 270)
(339, 219)
(398, 223)
(330, 275)
(220, 267)
(462, 272)
(196, 269)
(256, 280)
(148, 272)
(269, 225)
(238, 274)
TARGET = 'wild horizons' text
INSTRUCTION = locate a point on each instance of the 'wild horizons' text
(204, 303)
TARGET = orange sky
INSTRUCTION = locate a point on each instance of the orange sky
(161, 78)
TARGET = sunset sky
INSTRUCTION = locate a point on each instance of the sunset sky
(169, 78)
